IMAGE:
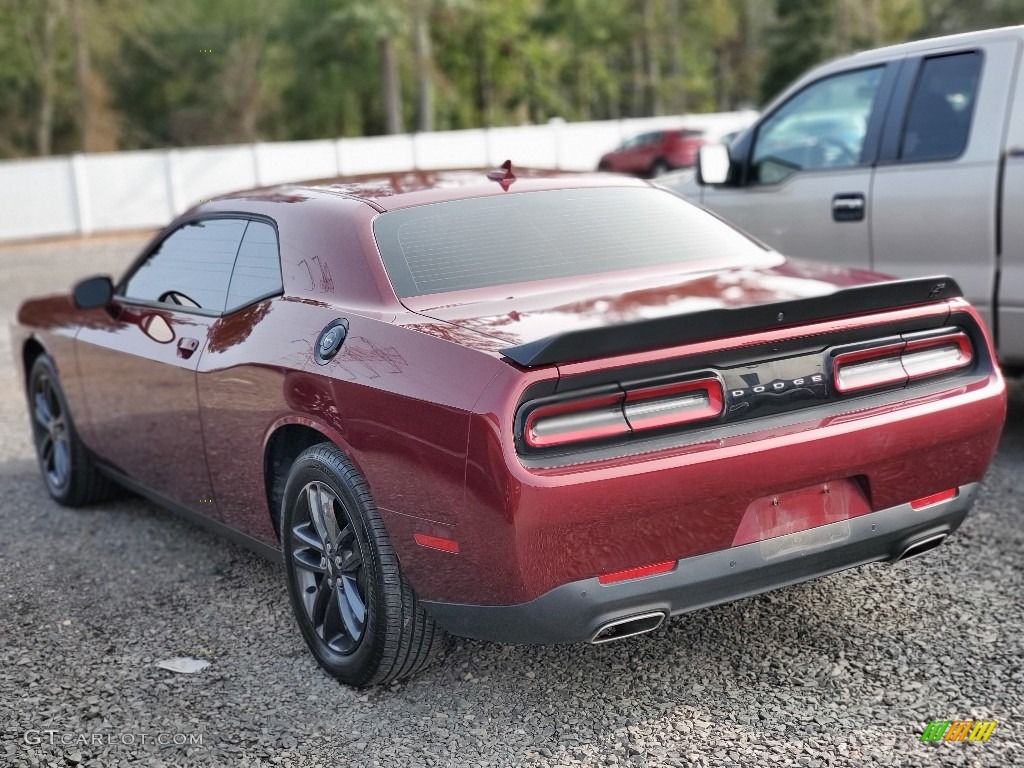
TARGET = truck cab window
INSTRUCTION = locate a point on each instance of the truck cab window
(822, 126)
(939, 119)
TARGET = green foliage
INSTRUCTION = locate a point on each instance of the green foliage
(130, 74)
(802, 36)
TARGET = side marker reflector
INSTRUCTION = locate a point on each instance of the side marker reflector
(436, 542)
(935, 498)
(637, 573)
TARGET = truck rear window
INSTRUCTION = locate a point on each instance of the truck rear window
(526, 236)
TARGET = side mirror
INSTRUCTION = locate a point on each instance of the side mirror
(93, 293)
(713, 164)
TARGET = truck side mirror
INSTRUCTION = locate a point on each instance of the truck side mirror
(713, 164)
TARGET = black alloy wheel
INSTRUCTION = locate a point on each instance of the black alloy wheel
(355, 609)
(68, 471)
(51, 433)
(328, 568)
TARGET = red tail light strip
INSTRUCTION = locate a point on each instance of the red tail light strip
(637, 573)
(621, 413)
(899, 363)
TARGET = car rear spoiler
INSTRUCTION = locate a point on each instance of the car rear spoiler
(643, 335)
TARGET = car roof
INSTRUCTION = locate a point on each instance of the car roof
(392, 191)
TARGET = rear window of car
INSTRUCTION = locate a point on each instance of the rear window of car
(522, 237)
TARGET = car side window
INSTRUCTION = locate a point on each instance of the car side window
(822, 126)
(191, 267)
(939, 118)
(257, 271)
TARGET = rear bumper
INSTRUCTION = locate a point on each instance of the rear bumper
(574, 612)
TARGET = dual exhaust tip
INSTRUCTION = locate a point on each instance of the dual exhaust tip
(641, 623)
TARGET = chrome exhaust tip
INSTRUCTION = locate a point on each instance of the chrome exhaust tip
(627, 627)
(920, 547)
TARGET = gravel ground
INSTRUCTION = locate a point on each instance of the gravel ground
(846, 670)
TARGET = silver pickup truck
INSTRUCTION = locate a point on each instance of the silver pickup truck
(907, 160)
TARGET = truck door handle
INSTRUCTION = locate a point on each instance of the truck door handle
(848, 206)
(187, 346)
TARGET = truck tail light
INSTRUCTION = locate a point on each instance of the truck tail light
(622, 413)
(891, 364)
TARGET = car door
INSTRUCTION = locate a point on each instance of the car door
(936, 188)
(239, 395)
(808, 169)
(138, 360)
(647, 152)
(631, 156)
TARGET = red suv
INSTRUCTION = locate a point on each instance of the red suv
(652, 154)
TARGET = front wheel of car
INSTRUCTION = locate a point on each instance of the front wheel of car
(658, 168)
(68, 470)
(354, 607)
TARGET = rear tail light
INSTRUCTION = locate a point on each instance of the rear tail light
(867, 368)
(575, 421)
(673, 404)
(925, 357)
(901, 362)
(619, 414)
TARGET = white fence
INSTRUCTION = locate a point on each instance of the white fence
(83, 194)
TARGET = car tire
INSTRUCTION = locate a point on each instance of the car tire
(603, 167)
(658, 167)
(355, 609)
(69, 472)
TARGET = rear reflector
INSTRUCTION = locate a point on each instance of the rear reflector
(892, 364)
(637, 573)
(622, 413)
(436, 542)
(935, 498)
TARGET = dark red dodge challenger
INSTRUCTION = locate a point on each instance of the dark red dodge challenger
(530, 410)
